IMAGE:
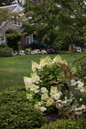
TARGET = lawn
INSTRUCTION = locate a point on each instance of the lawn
(13, 69)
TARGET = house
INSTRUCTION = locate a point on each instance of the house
(6, 25)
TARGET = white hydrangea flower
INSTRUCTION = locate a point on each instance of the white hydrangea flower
(36, 91)
(78, 113)
(57, 59)
(44, 90)
(80, 99)
(80, 84)
(83, 90)
(43, 109)
(34, 66)
(29, 96)
(83, 107)
(78, 109)
(34, 88)
(57, 95)
(28, 86)
(73, 107)
(49, 102)
(44, 96)
(27, 80)
(74, 69)
(35, 78)
(40, 103)
(59, 104)
(64, 62)
(73, 82)
(36, 106)
(46, 61)
(53, 91)
(66, 102)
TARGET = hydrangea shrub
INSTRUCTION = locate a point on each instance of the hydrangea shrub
(52, 83)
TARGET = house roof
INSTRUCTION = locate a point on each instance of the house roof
(11, 8)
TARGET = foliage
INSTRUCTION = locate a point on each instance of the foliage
(53, 83)
(4, 15)
(13, 40)
(6, 52)
(13, 69)
(81, 67)
(68, 18)
(24, 46)
(2, 45)
(65, 124)
(72, 39)
(35, 45)
(18, 43)
(6, 2)
(52, 50)
(28, 50)
(16, 112)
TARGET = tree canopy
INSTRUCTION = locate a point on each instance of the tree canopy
(6, 2)
(57, 21)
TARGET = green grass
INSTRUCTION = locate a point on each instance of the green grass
(13, 69)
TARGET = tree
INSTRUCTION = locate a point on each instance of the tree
(13, 39)
(13, 36)
(6, 2)
(54, 20)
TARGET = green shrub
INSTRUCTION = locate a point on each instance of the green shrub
(47, 88)
(65, 124)
(6, 52)
(13, 39)
(16, 112)
(81, 67)
(2, 45)
(53, 84)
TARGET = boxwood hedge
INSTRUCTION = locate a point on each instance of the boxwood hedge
(16, 112)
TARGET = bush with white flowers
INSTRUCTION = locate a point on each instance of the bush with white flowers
(14, 53)
(52, 83)
(37, 51)
(21, 52)
(43, 52)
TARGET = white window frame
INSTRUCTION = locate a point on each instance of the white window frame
(28, 40)
(2, 41)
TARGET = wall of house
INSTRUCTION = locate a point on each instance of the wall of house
(27, 39)
(7, 26)
(23, 40)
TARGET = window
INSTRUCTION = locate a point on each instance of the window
(27, 40)
(2, 40)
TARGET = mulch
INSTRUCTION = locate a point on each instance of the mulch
(52, 117)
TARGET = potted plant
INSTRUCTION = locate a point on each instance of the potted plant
(28, 51)
(19, 43)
